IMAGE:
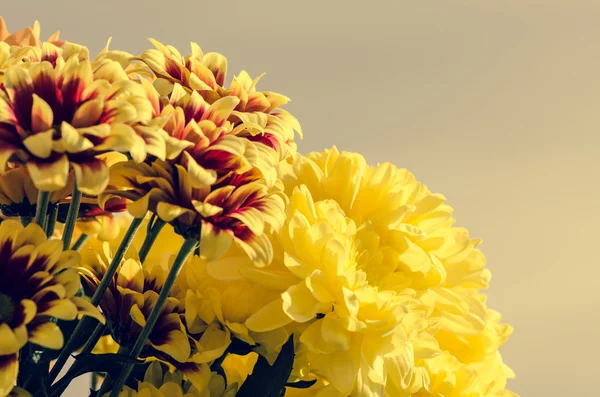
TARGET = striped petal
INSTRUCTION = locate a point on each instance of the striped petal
(47, 335)
(92, 176)
(51, 175)
(42, 115)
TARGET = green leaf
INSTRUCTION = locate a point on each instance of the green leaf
(88, 362)
(267, 380)
(239, 347)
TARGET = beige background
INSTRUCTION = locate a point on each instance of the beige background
(493, 103)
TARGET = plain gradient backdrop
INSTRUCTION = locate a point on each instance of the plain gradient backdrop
(493, 103)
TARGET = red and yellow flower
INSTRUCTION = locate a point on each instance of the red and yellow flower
(39, 282)
(237, 209)
(265, 121)
(61, 116)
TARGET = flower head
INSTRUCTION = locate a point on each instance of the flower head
(402, 247)
(266, 122)
(128, 302)
(200, 137)
(358, 338)
(215, 292)
(39, 282)
(57, 117)
(238, 209)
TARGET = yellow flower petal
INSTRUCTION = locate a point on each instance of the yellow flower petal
(85, 308)
(42, 115)
(92, 176)
(49, 176)
(62, 309)
(8, 341)
(72, 141)
(40, 144)
(47, 335)
(9, 368)
(268, 317)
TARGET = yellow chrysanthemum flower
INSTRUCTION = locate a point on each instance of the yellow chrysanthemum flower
(237, 209)
(404, 241)
(39, 282)
(267, 123)
(214, 292)
(359, 339)
(54, 117)
(160, 383)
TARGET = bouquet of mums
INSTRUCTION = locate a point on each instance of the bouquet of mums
(162, 237)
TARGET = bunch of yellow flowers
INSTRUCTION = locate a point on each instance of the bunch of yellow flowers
(161, 228)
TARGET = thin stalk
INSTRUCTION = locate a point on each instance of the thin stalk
(94, 381)
(41, 208)
(186, 249)
(79, 242)
(71, 217)
(106, 279)
(51, 222)
(105, 386)
(88, 347)
(94, 338)
(151, 238)
(26, 220)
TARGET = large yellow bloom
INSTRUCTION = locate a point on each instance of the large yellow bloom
(215, 292)
(359, 339)
(268, 124)
(405, 241)
(39, 282)
(62, 115)
(158, 382)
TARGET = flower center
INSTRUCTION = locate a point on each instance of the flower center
(7, 308)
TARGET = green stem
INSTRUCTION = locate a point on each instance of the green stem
(186, 249)
(79, 242)
(94, 338)
(26, 220)
(41, 208)
(71, 217)
(63, 383)
(51, 223)
(105, 387)
(116, 261)
(104, 283)
(151, 238)
(94, 381)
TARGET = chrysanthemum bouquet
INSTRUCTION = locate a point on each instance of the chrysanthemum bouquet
(161, 233)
